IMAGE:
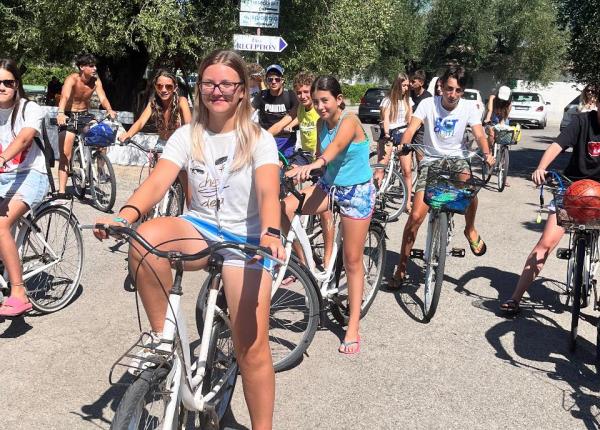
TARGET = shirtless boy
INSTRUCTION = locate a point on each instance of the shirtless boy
(73, 109)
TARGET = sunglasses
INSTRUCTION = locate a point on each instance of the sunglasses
(274, 79)
(9, 83)
(168, 87)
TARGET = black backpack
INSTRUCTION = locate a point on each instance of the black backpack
(45, 147)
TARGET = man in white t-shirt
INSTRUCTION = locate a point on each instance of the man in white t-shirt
(444, 118)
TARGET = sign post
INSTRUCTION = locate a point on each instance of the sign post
(259, 14)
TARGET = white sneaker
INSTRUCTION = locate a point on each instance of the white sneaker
(147, 356)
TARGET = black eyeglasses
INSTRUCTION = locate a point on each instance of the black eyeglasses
(273, 79)
(226, 88)
(9, 83)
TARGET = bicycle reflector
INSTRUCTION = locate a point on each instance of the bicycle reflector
(101, 134)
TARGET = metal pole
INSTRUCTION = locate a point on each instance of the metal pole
(257, 53)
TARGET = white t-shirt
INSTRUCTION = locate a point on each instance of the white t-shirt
(445, 130)
(32, 157)
(400, 120)
(238, 208)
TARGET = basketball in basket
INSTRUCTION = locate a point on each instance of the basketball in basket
(582, 200)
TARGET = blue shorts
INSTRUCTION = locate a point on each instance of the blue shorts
(232, 257)
(29, 186)
(355, 201)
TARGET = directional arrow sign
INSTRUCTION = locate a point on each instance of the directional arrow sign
(249, 42)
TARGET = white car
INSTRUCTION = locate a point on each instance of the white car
(528, 109)
(475, 96)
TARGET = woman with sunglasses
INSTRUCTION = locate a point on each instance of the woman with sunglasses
(167, 110)
(23, 178)
(233, 170)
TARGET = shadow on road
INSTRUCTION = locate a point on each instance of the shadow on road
(94, 412)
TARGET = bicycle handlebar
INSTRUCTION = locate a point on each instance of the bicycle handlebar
(113, 230)
(466, 155)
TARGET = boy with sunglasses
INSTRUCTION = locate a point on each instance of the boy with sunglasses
(277, 108)
(74, 105)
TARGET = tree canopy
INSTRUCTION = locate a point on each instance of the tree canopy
(512, 38)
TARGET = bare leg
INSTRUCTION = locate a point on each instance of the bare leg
(249, 296)
(10, 211)
(65, 144)
(470, 230)
(415, 219)
(355, 233)
(328, 235)
(551, 236)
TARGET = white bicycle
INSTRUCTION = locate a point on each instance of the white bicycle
(176, 391)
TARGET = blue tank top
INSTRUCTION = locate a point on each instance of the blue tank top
(351, 166)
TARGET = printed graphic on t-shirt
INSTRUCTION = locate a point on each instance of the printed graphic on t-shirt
(206, 185)
(278, 108)
(593, 149)
(445, 127)
(18, 159)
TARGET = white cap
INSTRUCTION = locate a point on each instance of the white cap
(504, 93)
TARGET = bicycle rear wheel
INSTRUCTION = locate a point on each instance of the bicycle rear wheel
(175, 199)
(145, 402)
(53, 246)
(373, 263)
(78, 173)
(578, 286)
(103, 182)
(396, 197)
(435, 251)
(502, 162)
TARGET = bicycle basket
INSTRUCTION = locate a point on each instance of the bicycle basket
(450, 189)
(505, 137)
(577, 212)
(102, 134)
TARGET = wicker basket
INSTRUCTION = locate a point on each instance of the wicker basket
(450, 190)
(577, 212)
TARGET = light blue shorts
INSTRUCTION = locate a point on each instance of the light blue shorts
(29, 186)
(232, 257)
(355, 201)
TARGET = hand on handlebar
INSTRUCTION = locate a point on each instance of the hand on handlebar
(102, 233)
(274, 244)
(61, 119)
(123, 137)
(539, 176)
(303, 173)
(490, 160)
(111, 114)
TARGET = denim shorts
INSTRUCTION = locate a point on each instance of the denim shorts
(355, 201)
(232, 257)
(29, 186)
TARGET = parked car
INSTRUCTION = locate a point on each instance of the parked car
(569, 111)
(475, 96)
(528, 108)
(368, 110)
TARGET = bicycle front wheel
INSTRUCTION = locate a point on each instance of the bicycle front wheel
(435, 252)
(503, 160)
(578, 286)
(396, 196)
(104, 183)
(51, 251)
(373, 265)
(144, 404)
(175, 199)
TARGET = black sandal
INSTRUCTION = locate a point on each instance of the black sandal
(396, 283)
(510, 307)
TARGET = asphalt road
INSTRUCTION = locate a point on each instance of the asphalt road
(468, 368)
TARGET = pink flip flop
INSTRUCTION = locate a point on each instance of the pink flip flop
(12, 307)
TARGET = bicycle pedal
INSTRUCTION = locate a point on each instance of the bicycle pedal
(417, 253)
(457, 252)
(563, 253)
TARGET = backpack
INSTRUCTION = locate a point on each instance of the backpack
(45, 147)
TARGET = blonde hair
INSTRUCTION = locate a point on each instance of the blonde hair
(247, 132)
(396, 95)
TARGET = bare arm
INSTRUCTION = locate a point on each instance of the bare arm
(138, 125)
(104, 100)
(267, 192)
(490, 108)
(21, 142)
(406, 160)
(539, 174)
(384, 115)
(482, 142)
(276, 128)
(65, 96)
(184, 107)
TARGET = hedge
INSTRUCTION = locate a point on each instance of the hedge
(355, 92)
(41, 75)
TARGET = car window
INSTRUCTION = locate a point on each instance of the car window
(375, 95)
(525, 97)
(469, 95)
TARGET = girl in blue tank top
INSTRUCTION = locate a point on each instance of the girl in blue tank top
(343, 149)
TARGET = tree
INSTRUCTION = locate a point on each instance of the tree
(512, 38)
(581, 18)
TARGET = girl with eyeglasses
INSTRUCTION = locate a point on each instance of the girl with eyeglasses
(23, 178)
(167, 110)
(233, 172)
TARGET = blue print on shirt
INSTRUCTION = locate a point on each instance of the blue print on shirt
(445, 127)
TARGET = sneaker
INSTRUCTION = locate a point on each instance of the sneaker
(146, 357)
(104, 178)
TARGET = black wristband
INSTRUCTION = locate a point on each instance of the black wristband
(139, 213)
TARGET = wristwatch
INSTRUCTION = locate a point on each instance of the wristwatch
(271, 231)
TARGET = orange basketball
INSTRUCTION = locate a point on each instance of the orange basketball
(582, 200)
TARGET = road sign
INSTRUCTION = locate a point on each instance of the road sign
(259, 19)
(250, 42)
(264, 6)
